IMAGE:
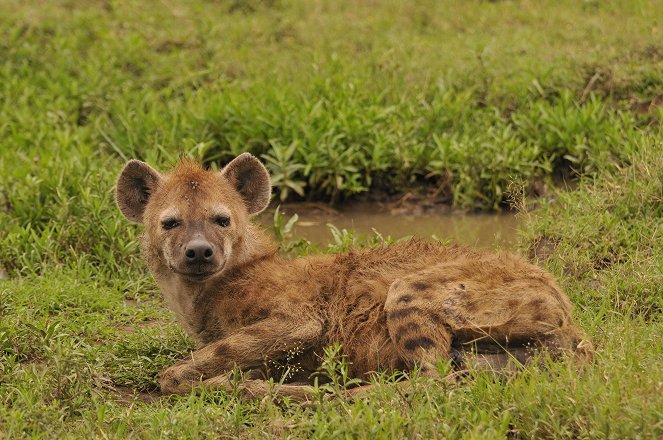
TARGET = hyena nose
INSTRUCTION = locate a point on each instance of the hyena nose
(198, 251)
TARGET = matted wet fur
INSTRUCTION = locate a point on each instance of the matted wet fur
(391, 308)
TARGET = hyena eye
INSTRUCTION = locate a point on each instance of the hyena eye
(222, 221)
(170, 223)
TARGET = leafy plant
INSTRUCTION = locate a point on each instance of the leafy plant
(284, 172)
(282, 228)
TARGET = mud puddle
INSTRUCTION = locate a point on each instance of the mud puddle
(484, 230)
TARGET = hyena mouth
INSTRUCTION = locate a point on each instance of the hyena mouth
(199, 275)
(196, 276)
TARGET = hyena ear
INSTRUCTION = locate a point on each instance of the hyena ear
(251, 179)
(136, 183)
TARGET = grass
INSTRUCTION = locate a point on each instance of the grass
(471, 98)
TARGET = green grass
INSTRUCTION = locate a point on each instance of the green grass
(472, 98)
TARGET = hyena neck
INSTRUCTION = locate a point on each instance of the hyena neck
(254, 246)
(180, 296)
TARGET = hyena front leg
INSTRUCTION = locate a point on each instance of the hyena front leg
(257, 388)
(417, 330)
(248, 347)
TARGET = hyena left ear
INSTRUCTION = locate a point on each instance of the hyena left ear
(251, 179)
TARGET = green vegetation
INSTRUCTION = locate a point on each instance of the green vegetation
(338, 98)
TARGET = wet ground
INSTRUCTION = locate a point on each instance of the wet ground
(484, 230)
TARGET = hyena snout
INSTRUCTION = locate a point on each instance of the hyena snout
(198, 251)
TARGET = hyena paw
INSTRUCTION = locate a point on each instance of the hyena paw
(179, 379)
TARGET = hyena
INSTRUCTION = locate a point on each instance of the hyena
(392, 308)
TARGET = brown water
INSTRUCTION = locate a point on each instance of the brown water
(484, 230)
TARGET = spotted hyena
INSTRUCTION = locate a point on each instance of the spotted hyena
(391, 308)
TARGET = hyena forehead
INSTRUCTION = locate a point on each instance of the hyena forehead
(198, 188)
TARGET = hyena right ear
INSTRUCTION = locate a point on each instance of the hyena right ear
(136, 183)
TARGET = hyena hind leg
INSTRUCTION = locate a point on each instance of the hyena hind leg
(416, 329)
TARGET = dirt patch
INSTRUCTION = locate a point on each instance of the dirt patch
(647, 106)
(130, 302)
(420, 200)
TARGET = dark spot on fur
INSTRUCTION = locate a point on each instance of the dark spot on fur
(419, 285)
(401, 365)
(536, 303)
(462, 286)
(539, 317)
(405, 299)
(402, 313)
(436, 318)
(222, 350)
(407, 328)
(251, 315)
(422, 342)
(513, 303)
(210, 334)
(262, 313)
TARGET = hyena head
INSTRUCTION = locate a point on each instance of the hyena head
(196, 221)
